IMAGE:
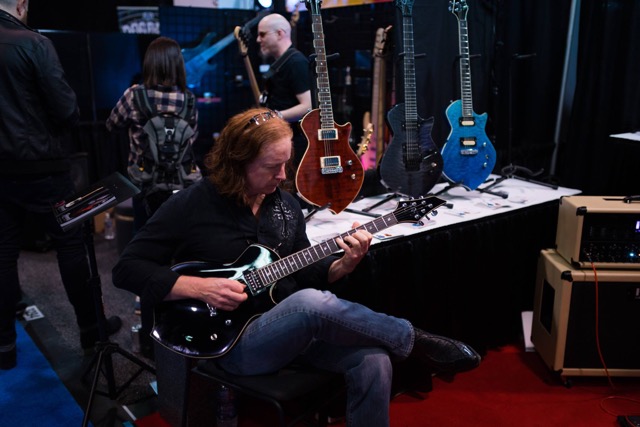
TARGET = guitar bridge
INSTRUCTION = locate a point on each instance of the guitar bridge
(330, 165)
(468, 146)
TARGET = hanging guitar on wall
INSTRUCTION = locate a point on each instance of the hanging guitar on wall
(412, 164)
(196, 59)
(469, 156)
(330, 173)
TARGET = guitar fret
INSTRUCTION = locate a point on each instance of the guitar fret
(465, 70)
(322, 73)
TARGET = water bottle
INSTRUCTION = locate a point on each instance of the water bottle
(226, 411)
(109, 230)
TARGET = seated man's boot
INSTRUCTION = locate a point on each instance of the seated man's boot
(443, 355)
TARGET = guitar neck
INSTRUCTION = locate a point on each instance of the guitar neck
(322, 73)
(410, 98)
(255, 90)
(465, 69)
(379, 95)
(294, 262)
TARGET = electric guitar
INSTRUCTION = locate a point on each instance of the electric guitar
(378, 99)
(195, 329)
(330, 173)
(412, 163)
(469, 156)
(243, 45)
(196, 59)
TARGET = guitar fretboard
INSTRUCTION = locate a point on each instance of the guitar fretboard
(412, 149)
(407, 211)
(322, 73)
(465, 69)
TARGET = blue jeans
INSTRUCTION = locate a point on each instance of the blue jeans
(36, 197)
(319, 329)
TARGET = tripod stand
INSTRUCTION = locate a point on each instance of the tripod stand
(80, 211)
(104, 348)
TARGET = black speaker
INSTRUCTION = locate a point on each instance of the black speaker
(580, 315)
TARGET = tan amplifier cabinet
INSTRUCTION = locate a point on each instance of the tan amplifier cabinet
(603, 230)
(563, 328)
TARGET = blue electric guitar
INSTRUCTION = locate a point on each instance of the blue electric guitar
(412, 163)
(469, 156)
(197, 60)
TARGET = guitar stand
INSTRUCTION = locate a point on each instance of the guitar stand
(313, 211)
(382, 202)
(510, 171)
(480, 190)
(104, 348)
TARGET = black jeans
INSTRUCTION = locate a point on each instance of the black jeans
(35, 196)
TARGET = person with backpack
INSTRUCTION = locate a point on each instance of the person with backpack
(37, 109)
(162, 119)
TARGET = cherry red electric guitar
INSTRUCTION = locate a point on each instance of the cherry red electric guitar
(330, 173)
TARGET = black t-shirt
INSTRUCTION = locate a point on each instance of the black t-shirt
(288, 77)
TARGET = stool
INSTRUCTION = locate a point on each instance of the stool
(309, 391)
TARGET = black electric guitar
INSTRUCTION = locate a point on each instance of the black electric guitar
(196, 59)
(469, 156)
(412, 163)
(193, 328)
(330, 173)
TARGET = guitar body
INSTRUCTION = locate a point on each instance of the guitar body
(192, 328)
(195, 329)
(414, 172)
(469, 157)
(321, 185)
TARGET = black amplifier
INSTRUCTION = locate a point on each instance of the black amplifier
(599, 230)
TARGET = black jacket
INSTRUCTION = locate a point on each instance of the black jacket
(36, 103)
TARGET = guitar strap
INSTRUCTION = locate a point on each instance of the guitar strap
(275, 67)
(278, 63)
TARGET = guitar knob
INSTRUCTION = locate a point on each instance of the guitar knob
(350, 162)
(213, 337)
(353, 176)
(228, 322)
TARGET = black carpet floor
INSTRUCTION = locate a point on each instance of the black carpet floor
(113, 403)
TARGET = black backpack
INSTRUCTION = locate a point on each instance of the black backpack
(167, 163)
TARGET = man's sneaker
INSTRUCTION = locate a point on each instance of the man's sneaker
(8, 357)
(90, 336)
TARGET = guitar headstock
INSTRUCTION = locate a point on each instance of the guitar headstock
(295, 16)
(380, 46)
(414, 209)
(459, 8)
(406, 6)
(313, 6)
(243, 42)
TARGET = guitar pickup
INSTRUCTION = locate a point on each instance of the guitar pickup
(468, 146)
(327, 134)
(330, 165)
